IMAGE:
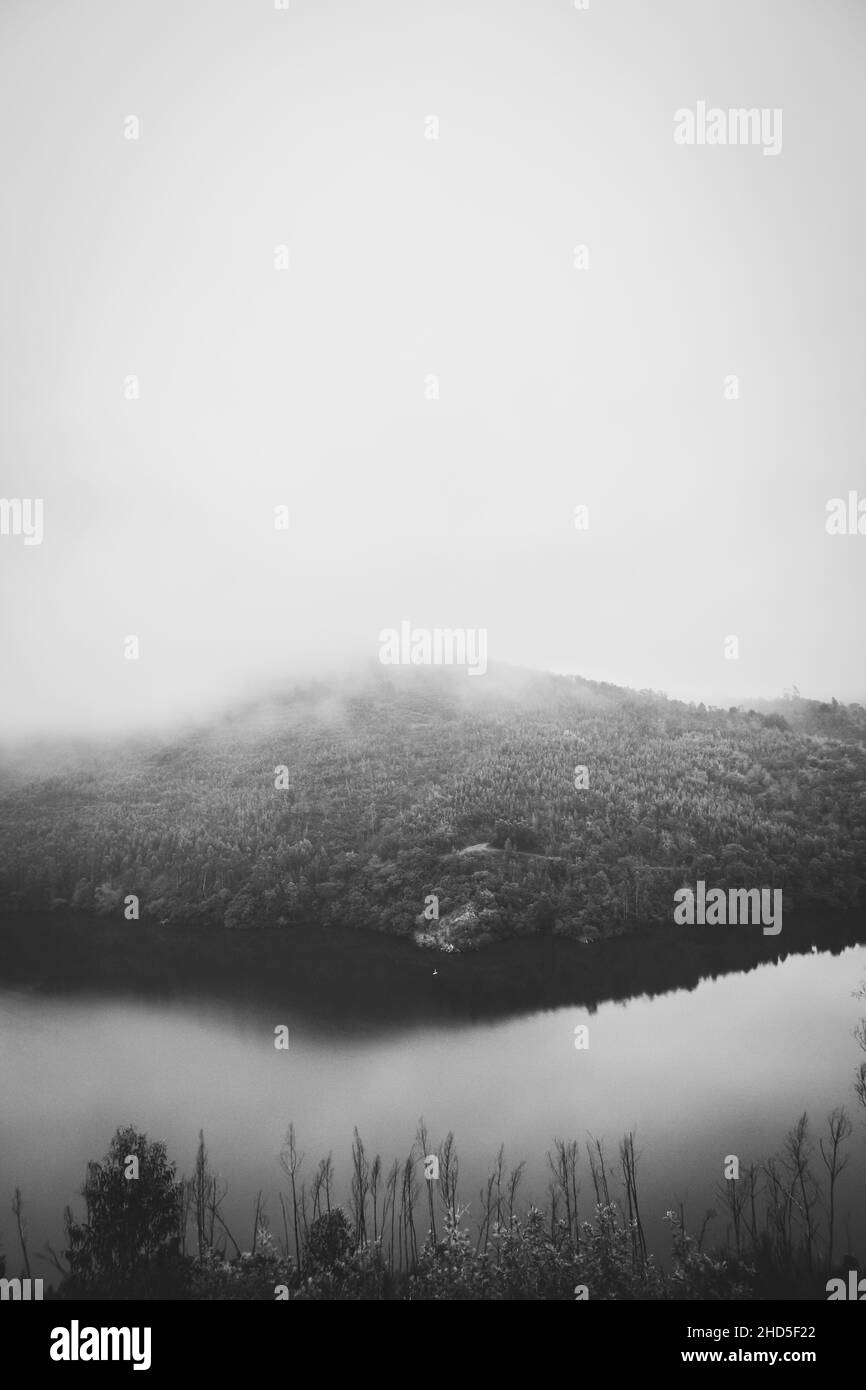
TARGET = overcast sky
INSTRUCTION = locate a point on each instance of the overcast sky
(410, 258)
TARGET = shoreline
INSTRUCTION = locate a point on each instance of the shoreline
(388, 979)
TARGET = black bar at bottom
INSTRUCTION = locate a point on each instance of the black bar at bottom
(245, 1338)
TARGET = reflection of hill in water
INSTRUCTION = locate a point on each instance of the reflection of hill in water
(366, 976)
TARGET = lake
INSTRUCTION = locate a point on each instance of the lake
(724, 1068)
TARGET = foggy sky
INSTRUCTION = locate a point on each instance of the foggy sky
(411, 257)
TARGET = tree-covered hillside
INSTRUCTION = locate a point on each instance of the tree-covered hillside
(401, 786)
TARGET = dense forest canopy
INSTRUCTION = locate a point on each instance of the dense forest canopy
(405, 785)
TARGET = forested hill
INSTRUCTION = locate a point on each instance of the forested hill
(429, 782)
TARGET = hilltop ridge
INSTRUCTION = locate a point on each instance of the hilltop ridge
(386, 778)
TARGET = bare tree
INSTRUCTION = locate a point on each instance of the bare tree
(290, 1162)
(328, 1178)
(422, 1143)
(797, 1159)
(18, 1213)
(360, 1188)
(840, 1130)
(391, 1200)
(449, 1171)
(628, 1160)
(408, 1197)
(375, 1175)
(515, 1178)
(486, 1209)
(200, 1194)
(752, 1174)
(734, 1193)
(564, 1169)
(258, 1218)
(598, 1169)
(778, 1211)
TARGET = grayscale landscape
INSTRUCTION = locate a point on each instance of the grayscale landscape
(433, 700)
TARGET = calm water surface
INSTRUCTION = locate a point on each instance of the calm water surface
(724, 1069)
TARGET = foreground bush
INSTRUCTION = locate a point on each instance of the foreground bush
(147, 1234)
